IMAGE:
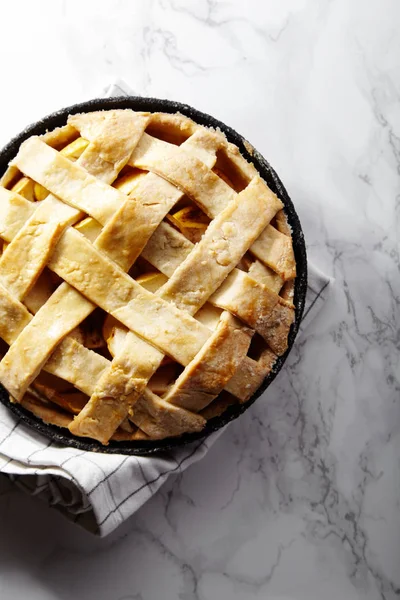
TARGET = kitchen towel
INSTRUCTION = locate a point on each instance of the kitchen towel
(100, 491)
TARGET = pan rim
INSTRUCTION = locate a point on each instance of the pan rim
(147, 447)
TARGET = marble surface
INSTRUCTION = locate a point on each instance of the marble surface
(300, 498)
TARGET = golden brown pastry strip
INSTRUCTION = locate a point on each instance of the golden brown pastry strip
(159, 419)
(113, 135)
(30, 250)
(119, 386)
(14, 212)
(278, 325)
(167, 249)
(266, 276)
(77, 365)
(251, 375)
(246, 298)
(68, 181)
(224, 243)
(211, 369)
(52, 322)
(181, 167)
(150, 201)
(58, 137)
(276, 250)
(203, 144)
(14, 317)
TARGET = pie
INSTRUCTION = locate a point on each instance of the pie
(146, 276)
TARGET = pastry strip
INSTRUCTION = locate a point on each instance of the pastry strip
(225, 241)
(277, 326)
(159, 419)
(266, 276)
(68, 181)
(246, 298)
(14, 316)
(151, 199)
(30, 250)
(251, 375)
(25, 357)
(275, 249)
(120, 385)
(77, 365)
(211, 369)
(14, 212)
(187, 172)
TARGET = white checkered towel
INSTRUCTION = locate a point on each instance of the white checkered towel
(100, 491)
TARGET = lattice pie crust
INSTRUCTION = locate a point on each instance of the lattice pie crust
(146, 276)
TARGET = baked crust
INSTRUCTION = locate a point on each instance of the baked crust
(159, 226)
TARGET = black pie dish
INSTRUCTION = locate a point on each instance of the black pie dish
(57, 119)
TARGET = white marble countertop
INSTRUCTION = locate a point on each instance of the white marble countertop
(300, 498)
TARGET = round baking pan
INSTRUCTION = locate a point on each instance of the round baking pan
(59, 118)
